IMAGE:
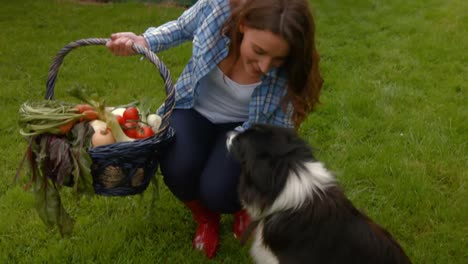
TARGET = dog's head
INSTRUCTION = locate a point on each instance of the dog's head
(267, 155)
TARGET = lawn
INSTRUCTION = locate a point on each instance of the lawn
(392, 126)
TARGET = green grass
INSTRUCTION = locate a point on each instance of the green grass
(392, 126)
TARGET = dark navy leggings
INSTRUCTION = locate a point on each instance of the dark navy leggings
(197, 166)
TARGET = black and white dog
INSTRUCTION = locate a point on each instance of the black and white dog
(302, 214)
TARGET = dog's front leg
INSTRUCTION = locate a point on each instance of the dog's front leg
(260, 253)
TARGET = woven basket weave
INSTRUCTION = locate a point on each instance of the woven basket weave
(123, 168)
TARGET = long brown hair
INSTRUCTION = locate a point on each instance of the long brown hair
(293, 21)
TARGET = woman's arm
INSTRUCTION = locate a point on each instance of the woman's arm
(165, 36)
(180, 30)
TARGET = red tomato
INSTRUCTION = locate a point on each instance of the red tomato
(120, 119)
(144, 132)
(131, 113)
(131, 129)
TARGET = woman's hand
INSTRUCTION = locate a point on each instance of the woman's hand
(121, 43)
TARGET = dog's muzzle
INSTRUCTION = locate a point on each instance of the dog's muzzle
(230, 137)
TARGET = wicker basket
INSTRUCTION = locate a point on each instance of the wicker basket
(123, 168)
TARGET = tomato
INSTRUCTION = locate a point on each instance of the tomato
(148, 131)
(120, 119)
(144, 132)
(131, 129)
(131, 113)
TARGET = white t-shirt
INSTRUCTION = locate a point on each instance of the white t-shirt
(222, 100)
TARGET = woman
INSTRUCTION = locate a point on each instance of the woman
(253, 61)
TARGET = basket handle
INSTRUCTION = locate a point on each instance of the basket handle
(163, 71)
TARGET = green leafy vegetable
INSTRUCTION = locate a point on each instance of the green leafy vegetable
(46, 192)
(80, 141)
(55, 161)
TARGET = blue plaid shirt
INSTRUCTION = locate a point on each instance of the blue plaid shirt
(202, 25)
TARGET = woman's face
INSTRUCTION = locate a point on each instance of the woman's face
(261, 50)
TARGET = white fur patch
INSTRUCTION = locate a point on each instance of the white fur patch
(259, 252)
(301, 187)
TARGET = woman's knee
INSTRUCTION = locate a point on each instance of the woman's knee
(181, 179)
(219, 199)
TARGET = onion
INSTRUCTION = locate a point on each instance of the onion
(154, 121)
(102, 137)
(112, 124)
(98, 125)
(118, 111)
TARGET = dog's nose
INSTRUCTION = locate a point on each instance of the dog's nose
(229, 137)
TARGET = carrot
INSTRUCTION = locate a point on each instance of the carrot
(83, 107)
(90, 115)
(54, 117)
(65, 128)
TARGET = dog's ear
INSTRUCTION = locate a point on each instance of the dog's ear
(269, 176)
(260, 174)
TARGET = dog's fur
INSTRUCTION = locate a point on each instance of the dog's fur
(303, 216)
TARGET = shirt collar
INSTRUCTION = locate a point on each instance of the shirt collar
(274, 73)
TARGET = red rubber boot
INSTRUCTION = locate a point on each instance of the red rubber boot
(241, 222)
(207, 235)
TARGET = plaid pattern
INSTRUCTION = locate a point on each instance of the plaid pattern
(202, 25)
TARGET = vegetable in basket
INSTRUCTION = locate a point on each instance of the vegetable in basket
(55, 117)
(52, 117)
(134, 121)
(102, 114)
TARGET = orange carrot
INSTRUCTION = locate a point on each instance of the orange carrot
(90, 115)
(65, 128)
(83, 107)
